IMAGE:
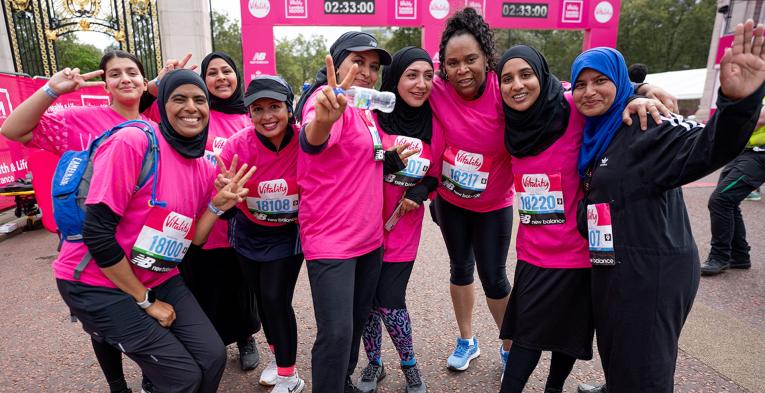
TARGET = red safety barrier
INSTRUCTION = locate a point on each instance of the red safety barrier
(16, 161)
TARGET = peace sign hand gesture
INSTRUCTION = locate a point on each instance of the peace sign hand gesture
(330, 106)
(742, 68)
(234, 192)
(226, 174)
(175, 64)
(69, 80)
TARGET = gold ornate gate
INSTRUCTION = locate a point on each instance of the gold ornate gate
(35, 25)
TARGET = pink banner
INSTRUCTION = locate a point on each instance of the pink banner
(598, 18)
(14, 157)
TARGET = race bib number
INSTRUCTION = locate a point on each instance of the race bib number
(600, 235)
(274, 201)
(217, 146)
(417, 165)
(541, 198)
(163, 241)
(465, 174)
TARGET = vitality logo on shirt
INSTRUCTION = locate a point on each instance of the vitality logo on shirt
(218, 144)
(177, 224)
(472, 161)
(536, 183)
(273, 188)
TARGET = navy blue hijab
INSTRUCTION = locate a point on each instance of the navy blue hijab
(600, 130)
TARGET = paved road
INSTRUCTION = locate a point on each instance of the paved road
(722, 347)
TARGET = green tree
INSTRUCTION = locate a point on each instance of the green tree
(298, 59)
(402, 37)
(666, 35)
(227, 37)
(70, 52)
(559, 47)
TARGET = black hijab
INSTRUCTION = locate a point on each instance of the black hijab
(532, 131)
(232, 104)
(193, 147)
(351, 41)
(406, 120)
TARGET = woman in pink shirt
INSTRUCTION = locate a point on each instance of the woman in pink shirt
(410, 78)
(213, 273)
(263, 230)
(550, 307)
(340, 173)
(475, 198)
(130, 294)
(37, 125)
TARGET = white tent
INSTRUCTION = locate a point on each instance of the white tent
(685, 84)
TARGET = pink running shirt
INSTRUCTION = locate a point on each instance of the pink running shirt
(185, 184)
(474, 132)
(540, 181)
(276, 171)
(221, 127)
(340, 191)
(401, 243)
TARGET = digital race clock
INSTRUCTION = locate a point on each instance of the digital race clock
(524, 10)
(351, 7)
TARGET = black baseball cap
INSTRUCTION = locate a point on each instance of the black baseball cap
(355, 41)
(268, 86)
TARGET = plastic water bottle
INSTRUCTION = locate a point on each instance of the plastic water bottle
(371, 99)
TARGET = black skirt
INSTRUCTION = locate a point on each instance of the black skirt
(550, 310)
(215, 279)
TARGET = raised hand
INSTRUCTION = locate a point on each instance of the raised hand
(175, 64)
(226, 174)
(234, 192)
(742, 68)
(330, 106)
(70, 79)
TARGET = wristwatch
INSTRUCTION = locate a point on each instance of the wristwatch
(148, 300)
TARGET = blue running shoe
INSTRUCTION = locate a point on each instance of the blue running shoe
(503, 359)
(463, 354)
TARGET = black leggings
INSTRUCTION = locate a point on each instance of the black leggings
(110, 360)
(521, 362)
(274, 285)
(477, 239)
(342, 292)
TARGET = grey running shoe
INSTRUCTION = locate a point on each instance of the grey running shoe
(414, 383)
(370, 376)
(585, 388)
(249, 357)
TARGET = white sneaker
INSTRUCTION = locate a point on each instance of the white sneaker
(269, 374)
(292, 384)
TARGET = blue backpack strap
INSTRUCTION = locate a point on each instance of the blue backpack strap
(148, 169)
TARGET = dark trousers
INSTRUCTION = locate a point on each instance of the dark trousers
(739, 178)
(214, 277)
(479, 240)
(342, 291)
(274, 285)
(187, 357)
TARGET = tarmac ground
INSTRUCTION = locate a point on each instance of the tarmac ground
(722, 347)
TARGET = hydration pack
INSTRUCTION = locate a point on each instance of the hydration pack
(71, 182)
